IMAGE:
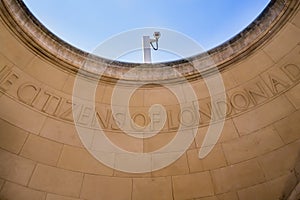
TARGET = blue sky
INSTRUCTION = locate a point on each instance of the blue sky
(86, 24)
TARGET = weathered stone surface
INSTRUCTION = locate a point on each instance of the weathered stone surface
(152, 188)
(78, 159)
(237, 176)
(55, 180)
(256, 156)
(41, 150)
(11, 137)
(18, 192)
(102, 187)
(250, 146)
(263, 116)
(61, 132)
(280, 161)
(289, 127)
(192, 186)
(15, 168)
(215, 159)
(21, 116)
(287, 39)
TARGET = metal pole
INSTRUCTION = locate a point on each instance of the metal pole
(146, 49)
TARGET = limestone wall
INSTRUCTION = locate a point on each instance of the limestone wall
(257, 156)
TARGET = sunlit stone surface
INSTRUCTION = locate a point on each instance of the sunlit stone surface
(256, 157)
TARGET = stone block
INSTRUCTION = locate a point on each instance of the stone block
(251, 67)
(101, 187)
(228, 133)
(15, 168)
(192, 186)
(20, 115)
(281, 187)
(152, 188)
(11, 138)
(278, 188)
(61, 132)
(263, 115)
(13, 50)
(18, 192)
(180, 166)
(215, 159)
(287, 39)
(260, 191)
(46, 73)
(252, 145)
(289, 127)
(280, 161)
(41, 150)
(158, 141)
(55, 180)
(79, 159)
(237, 176)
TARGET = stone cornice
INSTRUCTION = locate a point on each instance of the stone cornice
(44, 43)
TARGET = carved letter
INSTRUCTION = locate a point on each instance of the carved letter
(8, 81)
(277, 84)
(292, 71)
(259, 92)
(105, 122)
(187, 117)
(27, 93)
(118, 121)
(139, 124)
(4, 72)
(171, 123)
(67, 111)
(85, 116)
(240, 101)
(222, 112)
(51, 98)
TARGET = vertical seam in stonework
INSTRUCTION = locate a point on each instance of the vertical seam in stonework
(114, 173)
(276, 131)
(261, 168)
(131, 194)
(292, 24)
(234, 125)
(263, 50)
(21, 149)
(212, 182)
(29, 62)
(65, 83)
(45, 196)
(227, 161)
(43, 125)
(237, 195)
(290, 113)
(172, 187)
(60, 155)
(35, 166)
(288, 99)
(187, 160)
(1, 188)
(81, 186)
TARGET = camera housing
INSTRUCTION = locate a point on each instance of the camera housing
(156, 35)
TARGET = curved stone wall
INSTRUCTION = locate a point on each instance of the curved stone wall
(257, 156)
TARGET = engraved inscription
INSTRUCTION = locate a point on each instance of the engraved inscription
(239, 100)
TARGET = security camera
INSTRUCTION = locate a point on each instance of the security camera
(156, 35)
